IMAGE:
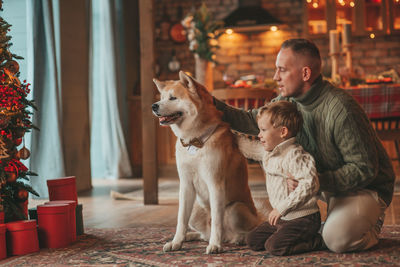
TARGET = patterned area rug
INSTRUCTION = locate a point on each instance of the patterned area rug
(143, 247)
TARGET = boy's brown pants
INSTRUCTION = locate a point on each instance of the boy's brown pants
(287, 237)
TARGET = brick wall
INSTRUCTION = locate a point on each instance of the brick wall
(255, 53)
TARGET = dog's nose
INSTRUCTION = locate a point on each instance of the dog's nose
(155, 107)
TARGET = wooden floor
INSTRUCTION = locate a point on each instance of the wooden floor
(101, 211)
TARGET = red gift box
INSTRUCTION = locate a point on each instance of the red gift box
(72, 213)
(1, 216)
(54, 225)
(21, 237)
(62, 189)
(3, 248)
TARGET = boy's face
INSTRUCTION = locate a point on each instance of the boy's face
(269, 136)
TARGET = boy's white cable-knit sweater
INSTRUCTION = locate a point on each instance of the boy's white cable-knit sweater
(286, 158)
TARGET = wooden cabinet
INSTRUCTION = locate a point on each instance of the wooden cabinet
(366, 16)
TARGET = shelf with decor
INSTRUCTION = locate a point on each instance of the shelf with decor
(376, 17)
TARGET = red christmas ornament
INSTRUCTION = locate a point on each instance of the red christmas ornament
(11, 177)
(12, 66)
(22, 194)
(23, 153)
(18, 141)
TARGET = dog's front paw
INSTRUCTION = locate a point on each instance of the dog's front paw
(213, 249)
(172, 246)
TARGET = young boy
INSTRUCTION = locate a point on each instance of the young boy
(294, 222)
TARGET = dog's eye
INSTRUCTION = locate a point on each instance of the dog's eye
(172, 98)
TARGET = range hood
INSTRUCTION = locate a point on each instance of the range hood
(250, 16)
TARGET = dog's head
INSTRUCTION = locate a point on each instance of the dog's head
(180, 101)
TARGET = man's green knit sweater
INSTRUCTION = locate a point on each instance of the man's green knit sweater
(338, 134)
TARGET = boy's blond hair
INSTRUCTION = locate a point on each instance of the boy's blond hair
(283, 113)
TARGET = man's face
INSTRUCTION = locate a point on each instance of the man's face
(289, 74)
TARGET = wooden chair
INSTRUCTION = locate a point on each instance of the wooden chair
(246, 98)
(388, 129)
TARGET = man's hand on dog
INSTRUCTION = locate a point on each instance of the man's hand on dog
(273, 217)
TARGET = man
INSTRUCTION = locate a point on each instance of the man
(355, 174)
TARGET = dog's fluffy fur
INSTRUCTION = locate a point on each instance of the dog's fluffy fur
(214, 175)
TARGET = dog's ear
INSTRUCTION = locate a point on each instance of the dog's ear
(160, 85)
(188, 81)
(194, 87)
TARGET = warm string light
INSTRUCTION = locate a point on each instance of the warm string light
(346, 2)
(314, 3)
(351, 3)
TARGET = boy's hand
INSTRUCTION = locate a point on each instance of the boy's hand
(291, 182)
(273, 217)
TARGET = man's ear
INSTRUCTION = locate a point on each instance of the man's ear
(160, 85)
(188, 81)
(306, 73)
(284, 132)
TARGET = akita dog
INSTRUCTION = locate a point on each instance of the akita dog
(211, 168)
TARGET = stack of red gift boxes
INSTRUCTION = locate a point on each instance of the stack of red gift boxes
(54, 224)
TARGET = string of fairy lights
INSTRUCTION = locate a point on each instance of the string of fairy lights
(351, 3)
(317, 3)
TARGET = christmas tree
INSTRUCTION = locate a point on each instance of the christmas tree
(14, 123)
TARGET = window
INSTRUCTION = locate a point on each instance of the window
(395, 14)
(373, 15)
(316, 16)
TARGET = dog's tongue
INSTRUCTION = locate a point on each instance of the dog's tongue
(166, 120)
(162, 120)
